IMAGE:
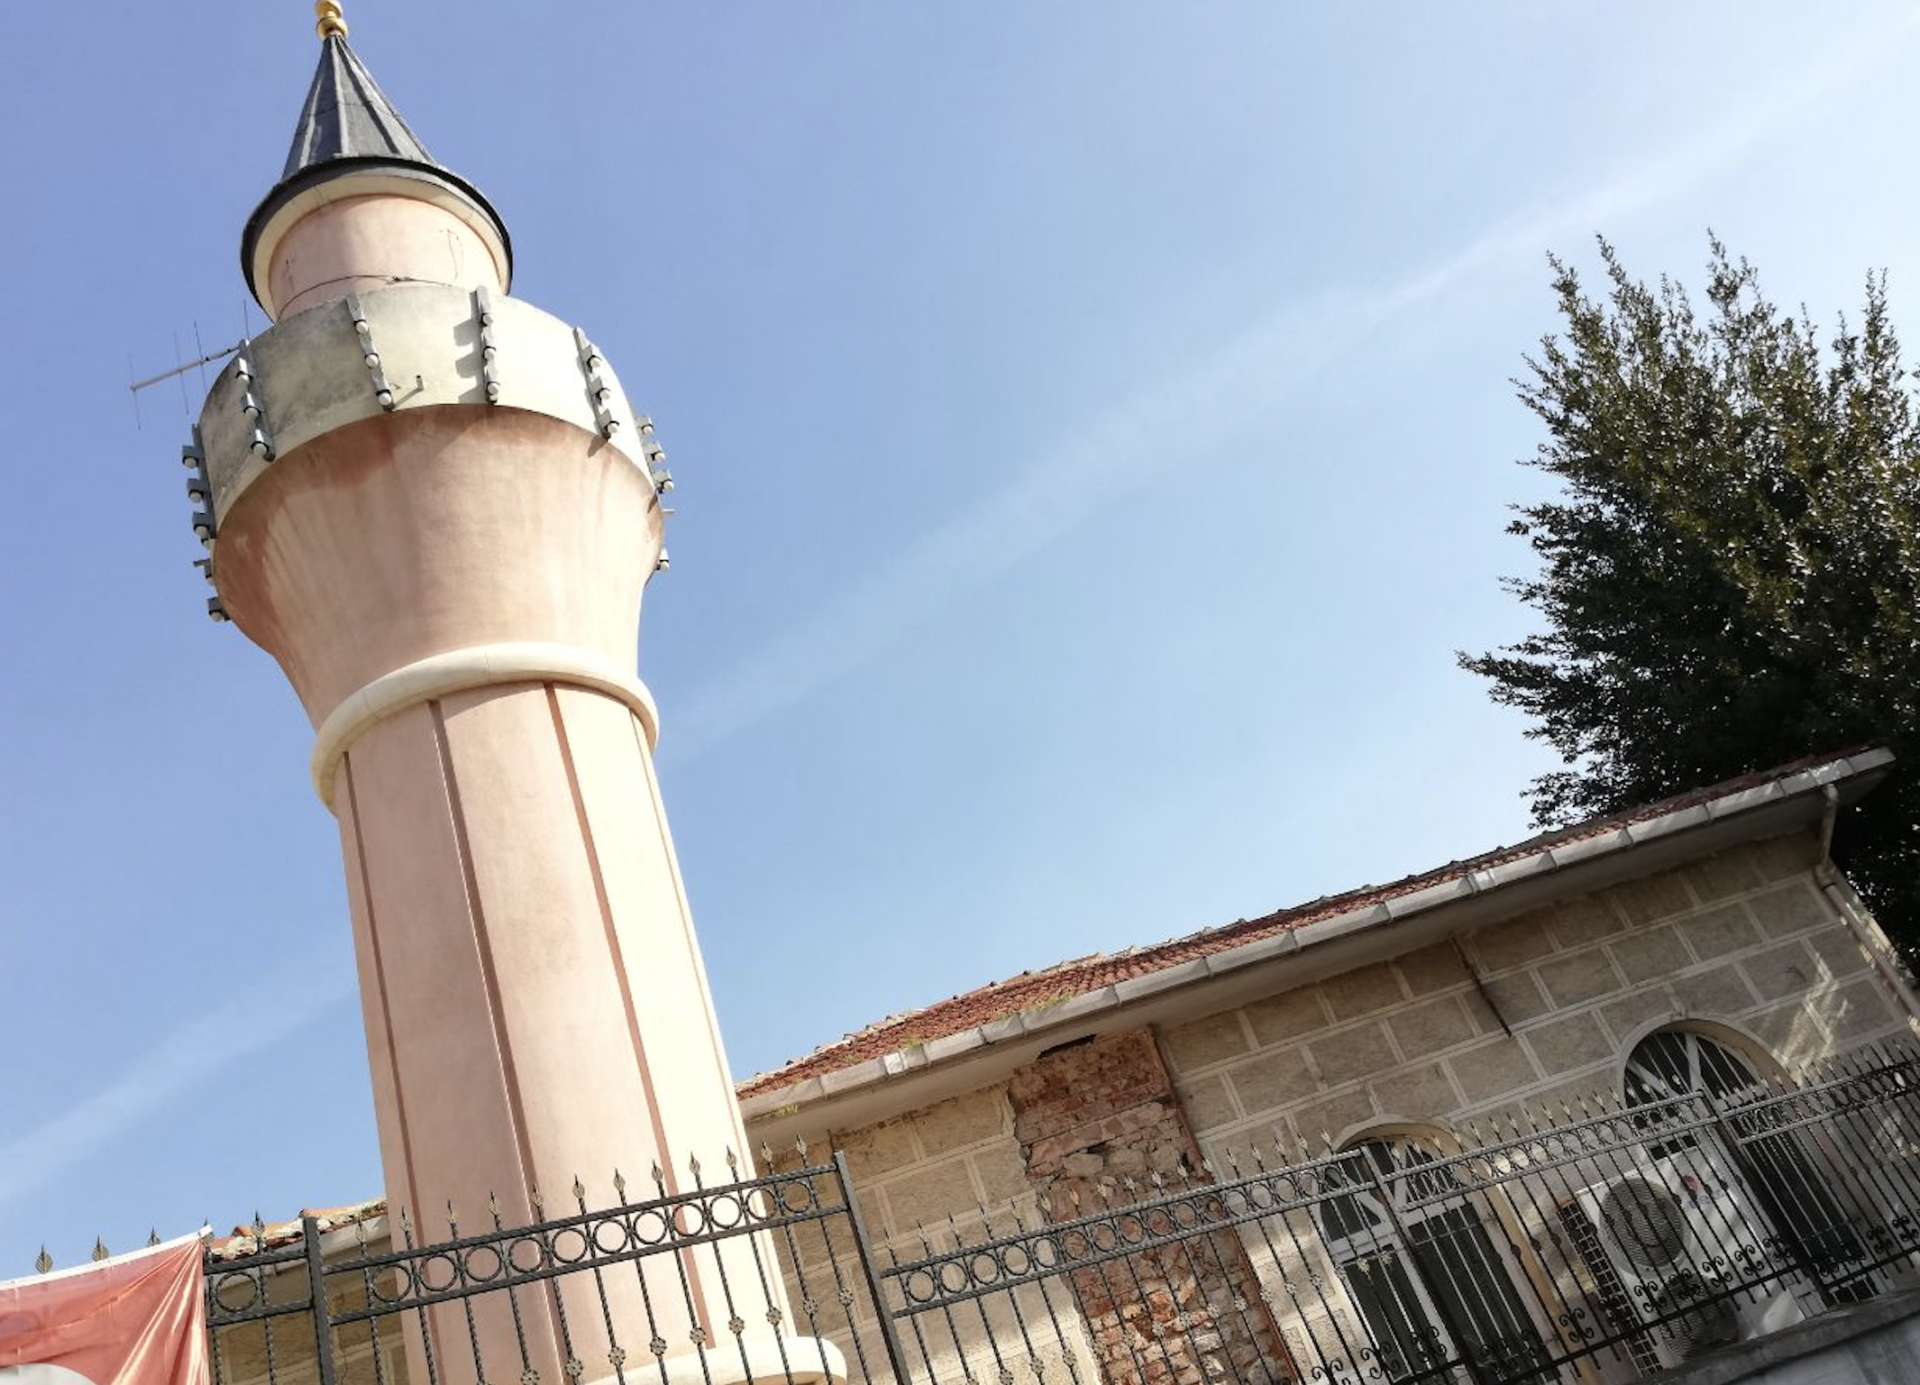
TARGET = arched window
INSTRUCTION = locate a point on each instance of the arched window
(1678, 1062)
(1802, 1224)
(1418, 1262)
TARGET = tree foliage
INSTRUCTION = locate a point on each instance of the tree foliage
(1730, 574)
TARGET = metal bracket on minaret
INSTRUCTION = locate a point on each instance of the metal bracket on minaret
(259, 437)
(382, 391)
(655, 454)
(598, 390)
(193, 456)
(483, 314)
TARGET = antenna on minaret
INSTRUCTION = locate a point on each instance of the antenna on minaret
(167, 375)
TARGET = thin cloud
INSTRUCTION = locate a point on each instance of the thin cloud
(1118, 452)
(178, 1063)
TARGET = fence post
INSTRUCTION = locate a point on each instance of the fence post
(876, 1288)
(317, 1296)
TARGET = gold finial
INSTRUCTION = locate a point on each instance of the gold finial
(331, 25)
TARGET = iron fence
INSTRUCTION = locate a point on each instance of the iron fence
(1603, 1242)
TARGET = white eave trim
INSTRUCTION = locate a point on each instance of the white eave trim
(1548, 860)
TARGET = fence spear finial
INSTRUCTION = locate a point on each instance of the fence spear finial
(100, 1251)
(43, 1262)
(153, 1236)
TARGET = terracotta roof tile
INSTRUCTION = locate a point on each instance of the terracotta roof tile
(1032, 990)
(281, 1233)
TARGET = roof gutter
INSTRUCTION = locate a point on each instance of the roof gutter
(782, 1107)
(1889, 971)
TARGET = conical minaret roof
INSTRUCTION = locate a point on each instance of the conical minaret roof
(348, 128)
(347, 116)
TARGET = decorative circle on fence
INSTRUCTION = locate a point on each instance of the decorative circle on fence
(437, 1273)
(688, 1219)
(621, 1237)
(483, 1263)
(799, 1196)
(529, 1264)
(255, 1285)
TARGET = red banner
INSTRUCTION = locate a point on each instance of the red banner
(133, 1320)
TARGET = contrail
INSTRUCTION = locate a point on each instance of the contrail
(1118, 451)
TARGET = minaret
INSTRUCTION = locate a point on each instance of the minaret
(434, 506)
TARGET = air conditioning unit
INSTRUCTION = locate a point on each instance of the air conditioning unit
(1673, 1240)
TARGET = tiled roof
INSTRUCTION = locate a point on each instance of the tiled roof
(1033, 990)
(244, 1241)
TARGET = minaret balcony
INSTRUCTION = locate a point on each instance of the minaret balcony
(402, 348)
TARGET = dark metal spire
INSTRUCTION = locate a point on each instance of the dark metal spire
(349, 127)
(347, 116)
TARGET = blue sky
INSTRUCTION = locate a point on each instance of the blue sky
(1093, 428)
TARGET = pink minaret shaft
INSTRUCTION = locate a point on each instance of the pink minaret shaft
(434, 506)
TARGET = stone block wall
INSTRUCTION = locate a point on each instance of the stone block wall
(1526, 1016)
(927, 1180)
(1513, 1021)
(1746, 940)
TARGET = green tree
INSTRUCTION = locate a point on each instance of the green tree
(1730, 573)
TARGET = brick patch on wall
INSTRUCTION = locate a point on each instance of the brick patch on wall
(1091, 1118)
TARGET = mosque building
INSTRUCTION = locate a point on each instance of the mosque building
(437, 508)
